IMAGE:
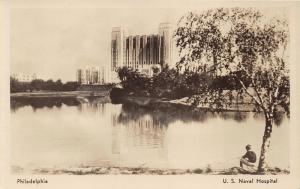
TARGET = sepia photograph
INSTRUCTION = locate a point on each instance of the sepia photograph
(195, 90)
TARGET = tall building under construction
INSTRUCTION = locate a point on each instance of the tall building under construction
(141, 52)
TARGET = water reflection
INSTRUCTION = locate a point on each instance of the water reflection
(163, 116)
(97, 132)
(41, 102)
(50, 102)
(278, 118)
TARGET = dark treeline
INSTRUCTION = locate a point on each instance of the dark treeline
(39, 85)
(171, 83)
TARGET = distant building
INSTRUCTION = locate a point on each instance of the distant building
(141, 52)
(93, 75)
(22, 77)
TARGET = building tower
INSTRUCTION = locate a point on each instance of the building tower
(165, 33)
(117, 47)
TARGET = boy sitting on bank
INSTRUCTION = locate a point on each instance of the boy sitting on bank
(249, 158)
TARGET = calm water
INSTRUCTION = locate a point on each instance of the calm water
(68, 133)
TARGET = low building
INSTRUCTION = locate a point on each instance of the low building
(93, 75)
(22, 77)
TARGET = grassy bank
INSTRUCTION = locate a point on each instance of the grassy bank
(143, 171)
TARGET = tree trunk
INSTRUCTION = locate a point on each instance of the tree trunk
(215, 72)
(265, 145)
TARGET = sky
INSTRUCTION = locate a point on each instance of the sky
(54, 41)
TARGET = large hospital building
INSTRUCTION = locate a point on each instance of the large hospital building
(141, 52)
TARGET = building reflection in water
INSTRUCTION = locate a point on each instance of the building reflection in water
(133, 134)
(139, 141)
(98, 108)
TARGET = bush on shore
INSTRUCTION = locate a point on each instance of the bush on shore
(171, 83)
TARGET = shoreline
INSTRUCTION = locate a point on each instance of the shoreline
(59, 94)
(138, 100)
(164, 103)
(98, 170)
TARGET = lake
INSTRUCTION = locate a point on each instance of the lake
(69, 132)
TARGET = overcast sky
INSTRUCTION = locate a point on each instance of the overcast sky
(53, 41)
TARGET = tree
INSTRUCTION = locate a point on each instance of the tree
(70, 86)
(17, 86)
(163, 82)
(49, 85)
(37, 84)
(246, 46)
(132, 80)
(58, 85)
(14, 85)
